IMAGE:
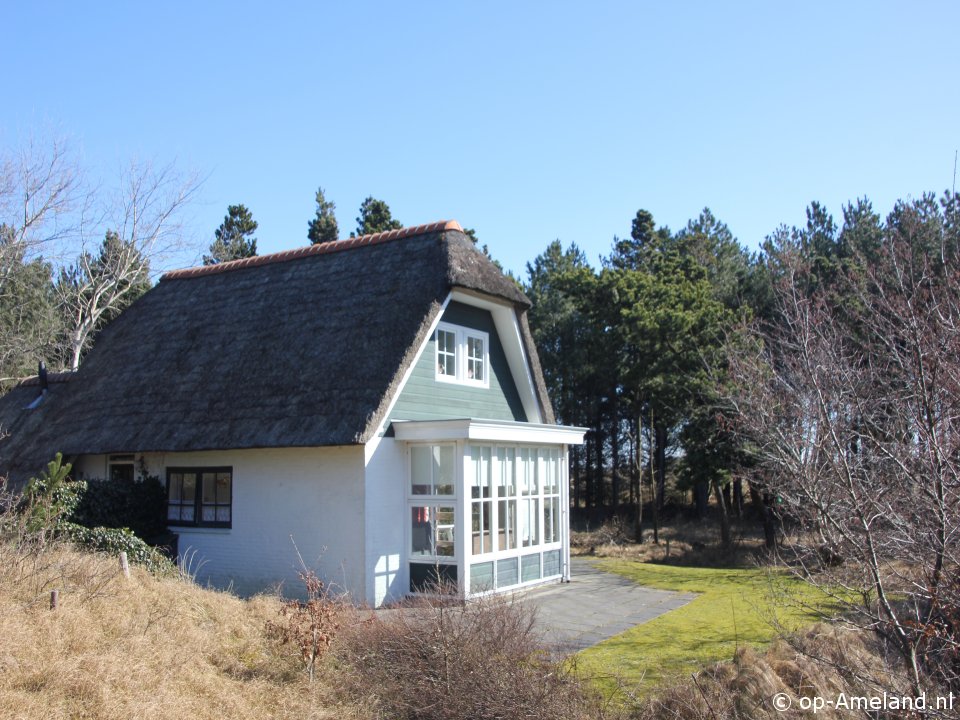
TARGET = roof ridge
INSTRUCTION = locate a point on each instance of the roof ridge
(318, 249)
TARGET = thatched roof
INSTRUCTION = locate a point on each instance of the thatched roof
(299, 348)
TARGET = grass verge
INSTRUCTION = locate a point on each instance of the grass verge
(734, 608)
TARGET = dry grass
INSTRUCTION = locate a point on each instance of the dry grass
(143, 647)
(822, 662)
(480, 660)
(690, 543)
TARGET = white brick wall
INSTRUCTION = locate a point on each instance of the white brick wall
(386, 510)
(313, 495)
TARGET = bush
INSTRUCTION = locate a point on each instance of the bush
(117, 540)
(440, 662)
(50, 498)
(139, 506)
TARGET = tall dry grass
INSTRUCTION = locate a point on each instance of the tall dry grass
(144, 647)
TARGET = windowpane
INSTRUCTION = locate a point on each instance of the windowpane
(481, 472)
(209, 488)
(421, 531)
(445, 534)
(189, 489)
(529, 522)
(176, 481)
(209, 513)
(446, 353)
(420, 470)
(506, 478)
(444, 467)
(223, 514)
(551, 519)
(507, 529)
(475, 358)
(223, 488)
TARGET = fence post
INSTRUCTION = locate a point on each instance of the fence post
(54, 599)
(124, 565)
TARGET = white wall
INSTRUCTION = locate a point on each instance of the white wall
(313, 495)
(386, 510)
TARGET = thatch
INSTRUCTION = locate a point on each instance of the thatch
(303, 348)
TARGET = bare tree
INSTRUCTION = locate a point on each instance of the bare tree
(144, 227)
(41, 197)
(854, 410)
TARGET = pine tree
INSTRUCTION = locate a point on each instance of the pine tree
(375, 217)
(323, 228)
(234, 238)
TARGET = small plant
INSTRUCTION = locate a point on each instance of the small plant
(50, 499)
(308, 625)
(116, 540)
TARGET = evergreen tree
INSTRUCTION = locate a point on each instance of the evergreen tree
(323, 228)
(234, 239)
(375, 217)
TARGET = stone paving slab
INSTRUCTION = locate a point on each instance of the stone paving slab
(594, 606)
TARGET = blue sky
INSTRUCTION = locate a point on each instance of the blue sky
(527, 121)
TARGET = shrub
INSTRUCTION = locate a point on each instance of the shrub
(50, 498)
(309, 625)
(434, 661)
(117, 540)
(139, 506)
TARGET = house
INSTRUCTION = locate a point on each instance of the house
(374, 405)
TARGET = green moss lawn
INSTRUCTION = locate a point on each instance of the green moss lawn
(734, 607)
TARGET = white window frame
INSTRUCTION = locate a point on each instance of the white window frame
(462, 334)
(433, 501)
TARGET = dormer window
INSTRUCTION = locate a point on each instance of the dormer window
(462, 355)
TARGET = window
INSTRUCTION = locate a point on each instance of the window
(431, 470)
(462, 355)
(431, 497)
(432, 533)
(121, 468)
(200, 497)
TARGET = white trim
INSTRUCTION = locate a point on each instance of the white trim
(488, 430)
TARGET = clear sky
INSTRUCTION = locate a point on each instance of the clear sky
(526, 121)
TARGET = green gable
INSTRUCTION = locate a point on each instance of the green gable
(424, 398)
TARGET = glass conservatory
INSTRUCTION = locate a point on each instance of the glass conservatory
(487, 503)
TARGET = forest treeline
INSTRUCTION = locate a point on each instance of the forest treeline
(638, 349)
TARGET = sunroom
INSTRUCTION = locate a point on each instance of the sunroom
(487, 503)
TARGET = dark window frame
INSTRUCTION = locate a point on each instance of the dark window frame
(198, 520)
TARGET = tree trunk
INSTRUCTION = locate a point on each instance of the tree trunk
(615, 458)
(701, 497)
(657, 499)
(738, 497)
(638, 465)
(769, 522)
(661, 464)
(725, 538)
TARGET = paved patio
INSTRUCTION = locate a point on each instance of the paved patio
(595, 605)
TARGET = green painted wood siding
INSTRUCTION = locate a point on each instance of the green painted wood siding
(423, 398)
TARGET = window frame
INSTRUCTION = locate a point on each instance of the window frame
(461, 360)
(433, 502)
(198, 521)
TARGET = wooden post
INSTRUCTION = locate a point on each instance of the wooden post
(54, 599)
(124, 565)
